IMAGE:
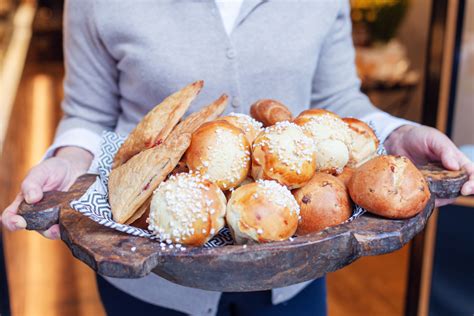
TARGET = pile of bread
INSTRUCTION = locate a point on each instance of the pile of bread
(267, 176)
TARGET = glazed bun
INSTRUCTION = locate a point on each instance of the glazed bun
(187, 209)
(247, 124)
(364, 142)
(262, 211)
(283, 152)
(220, 152)
(331, 136)
(389, 186)
(324, 202)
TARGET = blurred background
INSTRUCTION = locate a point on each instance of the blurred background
(415, 59)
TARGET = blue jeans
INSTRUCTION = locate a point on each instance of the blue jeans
(310, 301)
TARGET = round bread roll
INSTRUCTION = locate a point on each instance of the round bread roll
(345, 175)
(220, 152)
(247, 124)
(262, 211)
(283, 152)
(331, 136)
(364, 142)
(389, 186)
(324, 202)
(187, 209)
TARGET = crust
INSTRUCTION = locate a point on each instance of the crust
(157, 124)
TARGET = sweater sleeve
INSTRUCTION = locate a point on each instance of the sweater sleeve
(91, 94)
(336, 86)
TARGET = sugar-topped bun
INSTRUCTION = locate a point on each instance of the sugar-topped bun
(187, 209)
(262, 211)
(324, 202)
(247, 124)
(364, 142)
(283, 152)
(390, 186)
(220, 152)
(331, 136)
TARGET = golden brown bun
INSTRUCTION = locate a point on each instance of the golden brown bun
(389, 186)
(262, 211)
(345, 175)
(324, 202)
(220, 152)
(364, 142)
(187, 209)
(331, 136)
(283, 152)
(158, 123)
(270, 112)
(247, 124)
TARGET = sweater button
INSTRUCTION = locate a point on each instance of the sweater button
(231, 53)
(235, 102)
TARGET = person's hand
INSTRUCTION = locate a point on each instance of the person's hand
(424, 144)
(56, 173)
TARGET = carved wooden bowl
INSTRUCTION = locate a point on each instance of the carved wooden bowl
(231, 268)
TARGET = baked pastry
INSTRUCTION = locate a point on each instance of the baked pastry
(331, 136)
(187, 209)
(262, 211)
(247, 124)
(220, 152)
(324, 202)
(270, 112)
(345, 175)
(389, 186)
(158, 123)
(132, 184)
(283, 152)
(364, 142)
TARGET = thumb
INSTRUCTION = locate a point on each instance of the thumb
(32, 186)
(443, 150)
(449, 160)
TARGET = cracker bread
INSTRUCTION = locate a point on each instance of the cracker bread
(158, 123)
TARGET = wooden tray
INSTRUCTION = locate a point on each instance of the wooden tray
(232, 268)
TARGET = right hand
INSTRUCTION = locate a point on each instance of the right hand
(56, 173)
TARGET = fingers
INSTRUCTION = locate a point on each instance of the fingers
(52, 232)
(449, 158)
(10, 219)
(32, 186)
(443, 202)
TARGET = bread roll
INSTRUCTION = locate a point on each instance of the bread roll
(247, 124)
(270, 112)
(283, 152)
(220, 152)
(364, 142)
(187, 209)
(345, 175)
(389, 186)
(262, 211)
(324, 202)
(331, 136)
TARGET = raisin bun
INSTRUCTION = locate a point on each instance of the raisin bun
(262, 211)
(283, 152)
(389, 186)
(187, 209)
(331, 136)
(324, 202)
(220, 152)
(346, 175)
(364, 142)
(247, 124)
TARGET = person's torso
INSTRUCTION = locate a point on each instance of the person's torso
(161, 46)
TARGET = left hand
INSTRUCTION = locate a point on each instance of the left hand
(424, 144)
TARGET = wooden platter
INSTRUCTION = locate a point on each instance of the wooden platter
(230, 268)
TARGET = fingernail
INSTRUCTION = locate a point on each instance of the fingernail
(20, 223)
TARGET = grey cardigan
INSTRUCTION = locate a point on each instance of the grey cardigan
(123, 57)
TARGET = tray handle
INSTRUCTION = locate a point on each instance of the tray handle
(45, 213)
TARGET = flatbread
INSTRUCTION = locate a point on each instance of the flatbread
(158, 123)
